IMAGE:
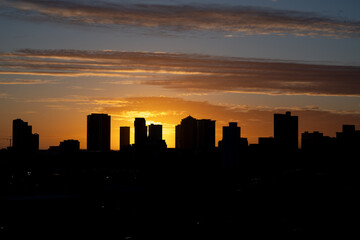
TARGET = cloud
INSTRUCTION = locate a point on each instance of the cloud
(180, 18)
(187, 72)
(4, 95)
(26, 82)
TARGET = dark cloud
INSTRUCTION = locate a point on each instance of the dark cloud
(189, 72)
(233, 19)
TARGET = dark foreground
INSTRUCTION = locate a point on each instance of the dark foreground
(179, 195)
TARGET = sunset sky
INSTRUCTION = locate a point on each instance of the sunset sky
(231, 60)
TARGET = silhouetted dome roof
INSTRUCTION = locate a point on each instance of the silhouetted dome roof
(188, 118)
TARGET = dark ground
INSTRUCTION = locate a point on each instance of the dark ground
(179, 195)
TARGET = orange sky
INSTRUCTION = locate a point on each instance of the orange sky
(66, 118)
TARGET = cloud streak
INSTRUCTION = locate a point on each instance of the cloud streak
(179, 18)
(26, 82)
(188, 72)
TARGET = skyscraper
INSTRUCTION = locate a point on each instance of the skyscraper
(98, 132)
(349, 137)
(286, 131)
(140, 132)
(178, 136)
(205, 137)
(230, 144)
(188, 131)
(124, 137)
(155, 133)
(155, 137)
(23, 139)
(195, 134)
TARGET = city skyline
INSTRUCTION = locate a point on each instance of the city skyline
(190, 134)
(269, 188)
(234, 61)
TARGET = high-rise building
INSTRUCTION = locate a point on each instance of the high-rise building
(69, 145)
(155, 133)
(205, 137)
(349, 137)
(35, 142)
(230, 144)
(155, 138)
(23, 139)
(195, 134)
(188, 131)
(286, 131)
(178, 136)
(140, 132)
(98, 132)
(124, 138)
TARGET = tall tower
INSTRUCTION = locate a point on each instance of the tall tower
(195, 134)
(230, 144)
(124, 137)
(155, 133)
(205, 137)
(286, 131)
(188, 133)
(140, 132)
(23, 139)
(98, 132)
(178, 136)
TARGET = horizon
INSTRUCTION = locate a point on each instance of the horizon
(217, 138)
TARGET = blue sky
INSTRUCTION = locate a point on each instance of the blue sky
(22, 33)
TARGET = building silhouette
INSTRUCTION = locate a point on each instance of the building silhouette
(67, 146)
(70, 145)
(140, 132)
(194, 134)
(187, 131)
(98, 132)
(124, 138)
(155, 140)
(316, 141)
(267, 143)
(286, 131)
(205, 137)
(178, 137)
(155, 133)
(23, 138)
(230, 144)
(349, 137)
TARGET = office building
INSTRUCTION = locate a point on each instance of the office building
(188, 131)
(286, 131)
(194, 134)
(230, 144)
(140, 132)
(205, 137)
(178, 137)
(98, 132)
(124, 138)
(23, 138)
(349, 137)
(155, 133)
(155, 138)
(70, 145)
